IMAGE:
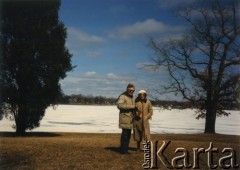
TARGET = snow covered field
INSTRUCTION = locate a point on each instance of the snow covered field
(104, 119)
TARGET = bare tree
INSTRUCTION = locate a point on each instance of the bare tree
(204, 63)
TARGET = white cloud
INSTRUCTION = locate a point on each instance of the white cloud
(110, 84)
(93, 83)
(152, 68)
(78, 38)
(146, 28)
(90, 74)
(93, 54)
(112, 76)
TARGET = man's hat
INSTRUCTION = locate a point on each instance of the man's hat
(130, 86)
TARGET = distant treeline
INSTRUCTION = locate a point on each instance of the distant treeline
(87, 100)
(101, 100)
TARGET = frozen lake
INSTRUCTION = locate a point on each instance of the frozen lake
(104, 119)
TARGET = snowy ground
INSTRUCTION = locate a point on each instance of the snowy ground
(104, 119)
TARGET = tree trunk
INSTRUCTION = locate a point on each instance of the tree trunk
(210, 117)
(21, 121)
(20, 130)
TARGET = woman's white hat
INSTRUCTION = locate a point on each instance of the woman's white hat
(142, 91)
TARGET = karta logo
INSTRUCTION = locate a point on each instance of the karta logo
(154, 154)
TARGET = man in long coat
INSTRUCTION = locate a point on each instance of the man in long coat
(126, 106)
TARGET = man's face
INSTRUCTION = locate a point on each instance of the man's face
(130, 91)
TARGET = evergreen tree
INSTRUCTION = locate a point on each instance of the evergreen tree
(33, 60)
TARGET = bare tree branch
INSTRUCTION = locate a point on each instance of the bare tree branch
(204, 56)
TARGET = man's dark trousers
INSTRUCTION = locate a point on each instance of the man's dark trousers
(125, 139)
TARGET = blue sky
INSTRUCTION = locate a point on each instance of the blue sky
(108, 40)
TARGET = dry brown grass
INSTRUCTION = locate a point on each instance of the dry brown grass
(98, 151)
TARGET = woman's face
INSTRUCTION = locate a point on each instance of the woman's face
(142, 95)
